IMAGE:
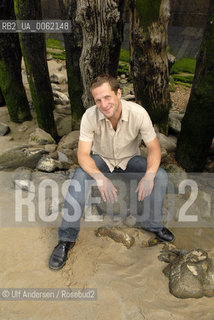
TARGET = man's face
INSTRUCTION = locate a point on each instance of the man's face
(107, 101)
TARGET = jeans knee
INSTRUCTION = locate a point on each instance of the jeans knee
(80, 175)
(162, 176)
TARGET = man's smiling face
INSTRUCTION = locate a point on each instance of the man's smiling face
(107, 101)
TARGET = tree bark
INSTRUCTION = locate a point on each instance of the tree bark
(101, 29)
(197, 128)
(34, 53)
(73, 48)
(148, 58)
(10, 69)
(2, 101)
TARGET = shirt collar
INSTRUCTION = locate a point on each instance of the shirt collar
(124, 115)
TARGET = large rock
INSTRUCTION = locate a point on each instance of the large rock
(176, 175)
(174, 124)
(23, 156)
(58, 77)
(60, 98)
(118, 235)
(69, 141)
(22, 178)
(168, 143)
(40, 137)
(48, 164)
(190, 273)
(128, 236)
(63, 109)
(4, 129)
(68, 145)
(55, 87)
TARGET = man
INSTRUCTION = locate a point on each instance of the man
(110, 129)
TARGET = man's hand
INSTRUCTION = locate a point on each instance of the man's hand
(145, 186)
(107, 190)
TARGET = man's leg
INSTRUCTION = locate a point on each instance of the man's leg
(152, 215)
(73, 210)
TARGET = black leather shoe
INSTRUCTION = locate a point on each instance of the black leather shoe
(59, 255)
(164, 235)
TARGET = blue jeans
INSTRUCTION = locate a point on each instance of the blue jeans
(75, 198)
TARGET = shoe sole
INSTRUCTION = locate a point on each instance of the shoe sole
(56, 268)
(170, 241)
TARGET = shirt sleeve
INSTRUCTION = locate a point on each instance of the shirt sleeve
(86, 129)
(147, 130)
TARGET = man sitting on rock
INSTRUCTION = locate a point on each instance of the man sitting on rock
(110, 129)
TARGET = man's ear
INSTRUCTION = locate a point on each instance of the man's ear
(119, 93)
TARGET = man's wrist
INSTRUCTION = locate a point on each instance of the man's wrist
(149, 175)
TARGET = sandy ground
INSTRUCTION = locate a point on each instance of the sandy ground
(130, 283)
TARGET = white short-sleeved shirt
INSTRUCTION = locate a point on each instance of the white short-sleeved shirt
(117, 147)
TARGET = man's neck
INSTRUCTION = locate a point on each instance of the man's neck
(114, 120)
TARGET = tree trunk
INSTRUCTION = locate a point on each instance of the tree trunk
(10, 69)
(73, 48)
(34, 53)
(197, 128)
(2, 101)
(101, 29)
(148, 58)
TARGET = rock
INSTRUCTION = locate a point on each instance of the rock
(123, 76)
(49, 57)
(55, 87)
(58, 77)
(144, 152)
(171, 59)
(48, 164)
(174, 115)
(50, 147)
(23, 128)
(176, 175)
(210, 166)
(116, 234)
(22, 178)
(54, 206)
(62, 157)
(123, 81)
(66, 110)
(129, 97)
(53, 155)
(190, 273)
(23, 156)
(175, 124)
(40, 137)
(163, 153)
(74, 156)
(130, 221)
(200, 210)
(4, 129)
(69, 141)
(168, 143)
(62, 67)
(60, 98)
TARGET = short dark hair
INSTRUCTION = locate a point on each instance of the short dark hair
(98, 81)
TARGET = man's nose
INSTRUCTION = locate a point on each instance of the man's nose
(104, 103)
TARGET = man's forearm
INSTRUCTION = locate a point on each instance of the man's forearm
(89, 166)
(154, 158)
(153, 162)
